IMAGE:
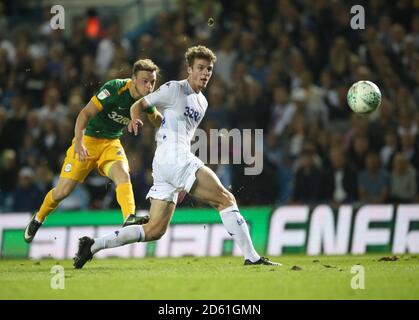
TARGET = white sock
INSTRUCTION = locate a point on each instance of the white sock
(237, 228)
(119, 238)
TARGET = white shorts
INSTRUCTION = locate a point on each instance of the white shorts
(173, 172)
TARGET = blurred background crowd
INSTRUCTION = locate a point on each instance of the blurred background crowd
(283, 66)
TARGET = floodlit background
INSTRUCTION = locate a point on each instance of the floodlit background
(337, 202)
(283, 66)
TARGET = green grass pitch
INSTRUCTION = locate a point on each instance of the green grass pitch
(214, 278)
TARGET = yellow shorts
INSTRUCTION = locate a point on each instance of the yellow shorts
(101, 151)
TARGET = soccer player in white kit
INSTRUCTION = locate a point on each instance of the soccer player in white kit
(182, 107)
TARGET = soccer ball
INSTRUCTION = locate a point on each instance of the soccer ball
(364, 97)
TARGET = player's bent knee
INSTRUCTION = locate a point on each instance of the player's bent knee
(227, 199)
(158, 235)
(153, 232)
(231, 199)
(155, 235)
(124, 177)
(120, 173)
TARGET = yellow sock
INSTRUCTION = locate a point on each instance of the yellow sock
(125, 198)
(47, 207)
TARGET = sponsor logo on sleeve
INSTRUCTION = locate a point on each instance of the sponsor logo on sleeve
(103, 94)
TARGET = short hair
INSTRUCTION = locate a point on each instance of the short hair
(199, 52)
(144, 65)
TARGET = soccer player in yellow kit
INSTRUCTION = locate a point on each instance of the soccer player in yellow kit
(96, 144)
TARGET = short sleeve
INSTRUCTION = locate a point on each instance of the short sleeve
(165, 96)
(105, 95)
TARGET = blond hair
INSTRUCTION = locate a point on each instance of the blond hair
(144, 65)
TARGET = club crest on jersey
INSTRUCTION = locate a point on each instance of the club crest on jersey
(103, 94)
(67, 167)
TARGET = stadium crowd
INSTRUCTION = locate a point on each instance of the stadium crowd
(283, 66)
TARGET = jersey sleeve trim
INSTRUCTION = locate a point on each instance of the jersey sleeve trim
(97, 103)
(125, 87)
(150, 109)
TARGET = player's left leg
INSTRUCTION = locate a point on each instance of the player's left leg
(51, 201)
(73, 171)
(161, 213)
(208, 189)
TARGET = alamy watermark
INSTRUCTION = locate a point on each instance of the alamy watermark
(57, 21)
(358, 280)
(231, 146)
(58, 279)
(218, 146)
(358, 20)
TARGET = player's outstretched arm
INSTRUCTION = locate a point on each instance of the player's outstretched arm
(89, 111)
(154, 116)
(135, 111)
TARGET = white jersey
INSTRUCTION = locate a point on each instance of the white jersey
(174, 165)
(182, 109)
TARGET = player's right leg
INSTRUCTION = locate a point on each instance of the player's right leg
(113, 163)
(51, 201)
(161, 212)
(208, 189)
(118, 172)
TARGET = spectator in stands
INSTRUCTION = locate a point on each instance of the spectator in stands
(409, 149)
(385, 121)
(226, 58)
(27, 196)
(373, 181)
(33, 80)
(308, 179)
(44, 177)
(389, 149)
(298, 135)
(358, 152)
(282, 110)
(53, 109)
(108, 45)
(8, 171)
(316, 107)
(340, 180)
(14, 127)
(403, 187)
(29, 151)
(3, 120)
